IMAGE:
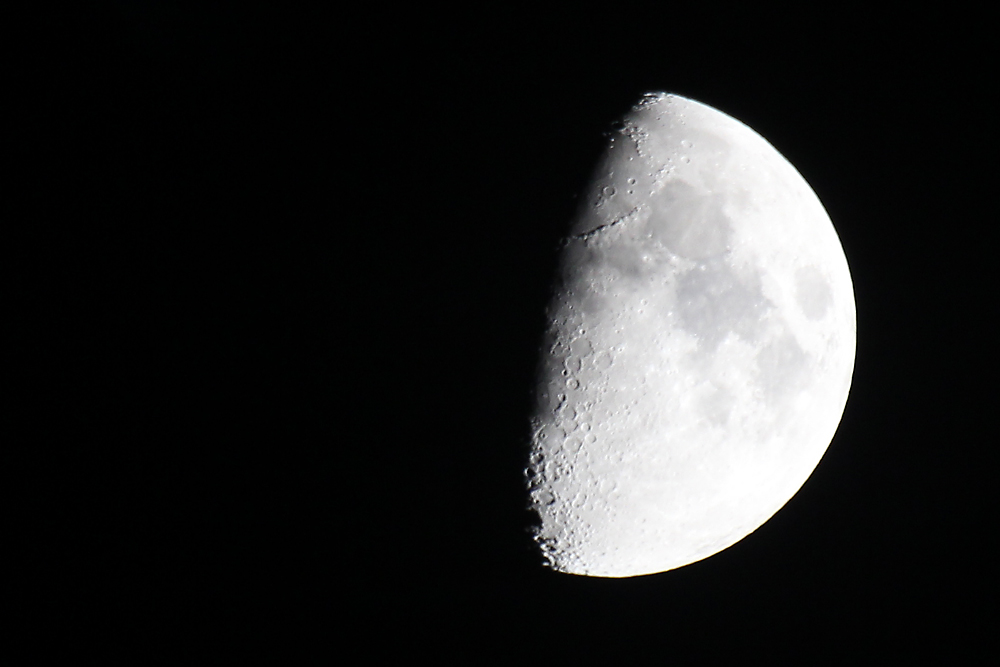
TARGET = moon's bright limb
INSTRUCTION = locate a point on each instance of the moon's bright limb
(699, 352)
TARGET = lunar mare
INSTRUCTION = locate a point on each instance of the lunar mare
(699, 352)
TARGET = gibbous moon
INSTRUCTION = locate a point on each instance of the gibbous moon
(699, 350)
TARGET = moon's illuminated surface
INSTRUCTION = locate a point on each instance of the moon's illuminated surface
(699, 352)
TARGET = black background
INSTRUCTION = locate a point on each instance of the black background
(279, 282)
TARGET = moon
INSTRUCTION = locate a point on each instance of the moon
(699, 347)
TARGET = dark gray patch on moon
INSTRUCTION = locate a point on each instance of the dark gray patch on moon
(688, 222)
(812, 292)
(610, 256)
(712, 301)
(782, 369)
(717, 406)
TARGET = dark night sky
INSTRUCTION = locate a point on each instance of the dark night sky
(279, 285)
